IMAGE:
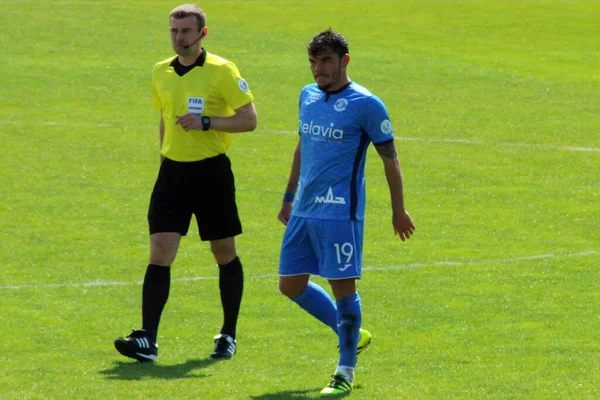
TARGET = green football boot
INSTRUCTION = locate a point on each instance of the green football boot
(338, 386)
(364, 341)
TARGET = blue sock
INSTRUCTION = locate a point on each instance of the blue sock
(349, 321)
(317, 302)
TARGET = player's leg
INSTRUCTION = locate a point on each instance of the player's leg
(349, 322)
(168, 219)
(340, 253)
(218, 222)
(311, 297)
(297, 261)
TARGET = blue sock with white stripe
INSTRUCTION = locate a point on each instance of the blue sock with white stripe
(349, 321)
(317, 302)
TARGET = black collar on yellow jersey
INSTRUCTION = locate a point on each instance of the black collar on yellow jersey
(181, 70)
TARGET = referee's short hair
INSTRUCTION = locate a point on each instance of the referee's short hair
(328, 41)
(187, 10)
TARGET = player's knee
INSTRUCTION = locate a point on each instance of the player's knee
(343, 288)
(291, 287)
(284, 288)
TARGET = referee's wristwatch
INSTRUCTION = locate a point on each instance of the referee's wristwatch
(205, 123)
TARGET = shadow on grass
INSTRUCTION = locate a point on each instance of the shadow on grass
(133, 371)
(309, 394)
(289, 395)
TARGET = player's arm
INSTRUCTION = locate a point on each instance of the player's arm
(290, 191)
(402, 222)
(161, 135)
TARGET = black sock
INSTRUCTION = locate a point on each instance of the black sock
(231, 285)
(155, 293)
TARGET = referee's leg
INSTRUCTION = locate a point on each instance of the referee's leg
(157, 281)
(231, 286)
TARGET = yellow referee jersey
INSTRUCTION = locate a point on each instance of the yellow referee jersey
(213, 88)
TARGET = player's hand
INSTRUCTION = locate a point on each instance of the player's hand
(403, 225)
(189, 121)
(285, 212)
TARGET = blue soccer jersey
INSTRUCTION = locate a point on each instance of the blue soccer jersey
(336, 129)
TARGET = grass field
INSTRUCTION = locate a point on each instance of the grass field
(496, 109)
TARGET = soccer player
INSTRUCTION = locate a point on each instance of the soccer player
(202, 99)
(324, 203)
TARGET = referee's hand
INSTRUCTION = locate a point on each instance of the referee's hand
(189, 121)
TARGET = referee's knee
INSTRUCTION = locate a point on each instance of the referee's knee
(163, 247)
(223, 250)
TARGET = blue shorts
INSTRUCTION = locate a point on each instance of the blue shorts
(328, 248)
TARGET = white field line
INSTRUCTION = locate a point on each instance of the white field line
(273, 276)
(285, 132)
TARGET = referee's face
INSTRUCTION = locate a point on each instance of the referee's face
(184, 32)
(328, 70)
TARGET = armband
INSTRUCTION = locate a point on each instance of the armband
(288, 197)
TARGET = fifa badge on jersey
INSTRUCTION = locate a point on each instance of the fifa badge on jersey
(195, 105)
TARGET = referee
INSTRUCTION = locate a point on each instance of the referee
(202, 99)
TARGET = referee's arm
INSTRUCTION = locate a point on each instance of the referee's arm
(161, 135)
(244, 120)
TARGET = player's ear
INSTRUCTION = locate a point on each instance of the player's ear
(345, 60)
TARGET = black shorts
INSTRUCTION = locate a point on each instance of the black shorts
(204, 188)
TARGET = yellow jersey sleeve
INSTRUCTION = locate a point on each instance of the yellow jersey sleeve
(233, 87)
(155, 97)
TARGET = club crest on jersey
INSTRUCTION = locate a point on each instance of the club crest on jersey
(195, 105)
(386, 126)
(340, 105)
(243, 85)
(313, 97)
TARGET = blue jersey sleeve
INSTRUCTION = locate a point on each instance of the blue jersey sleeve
(376, 121)
(303, 95)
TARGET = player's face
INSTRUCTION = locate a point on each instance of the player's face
(184, 32)
(327, 69)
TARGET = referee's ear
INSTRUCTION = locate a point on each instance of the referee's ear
(204, 32)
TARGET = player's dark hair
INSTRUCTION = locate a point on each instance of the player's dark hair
(328, 41)
(187, 10)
